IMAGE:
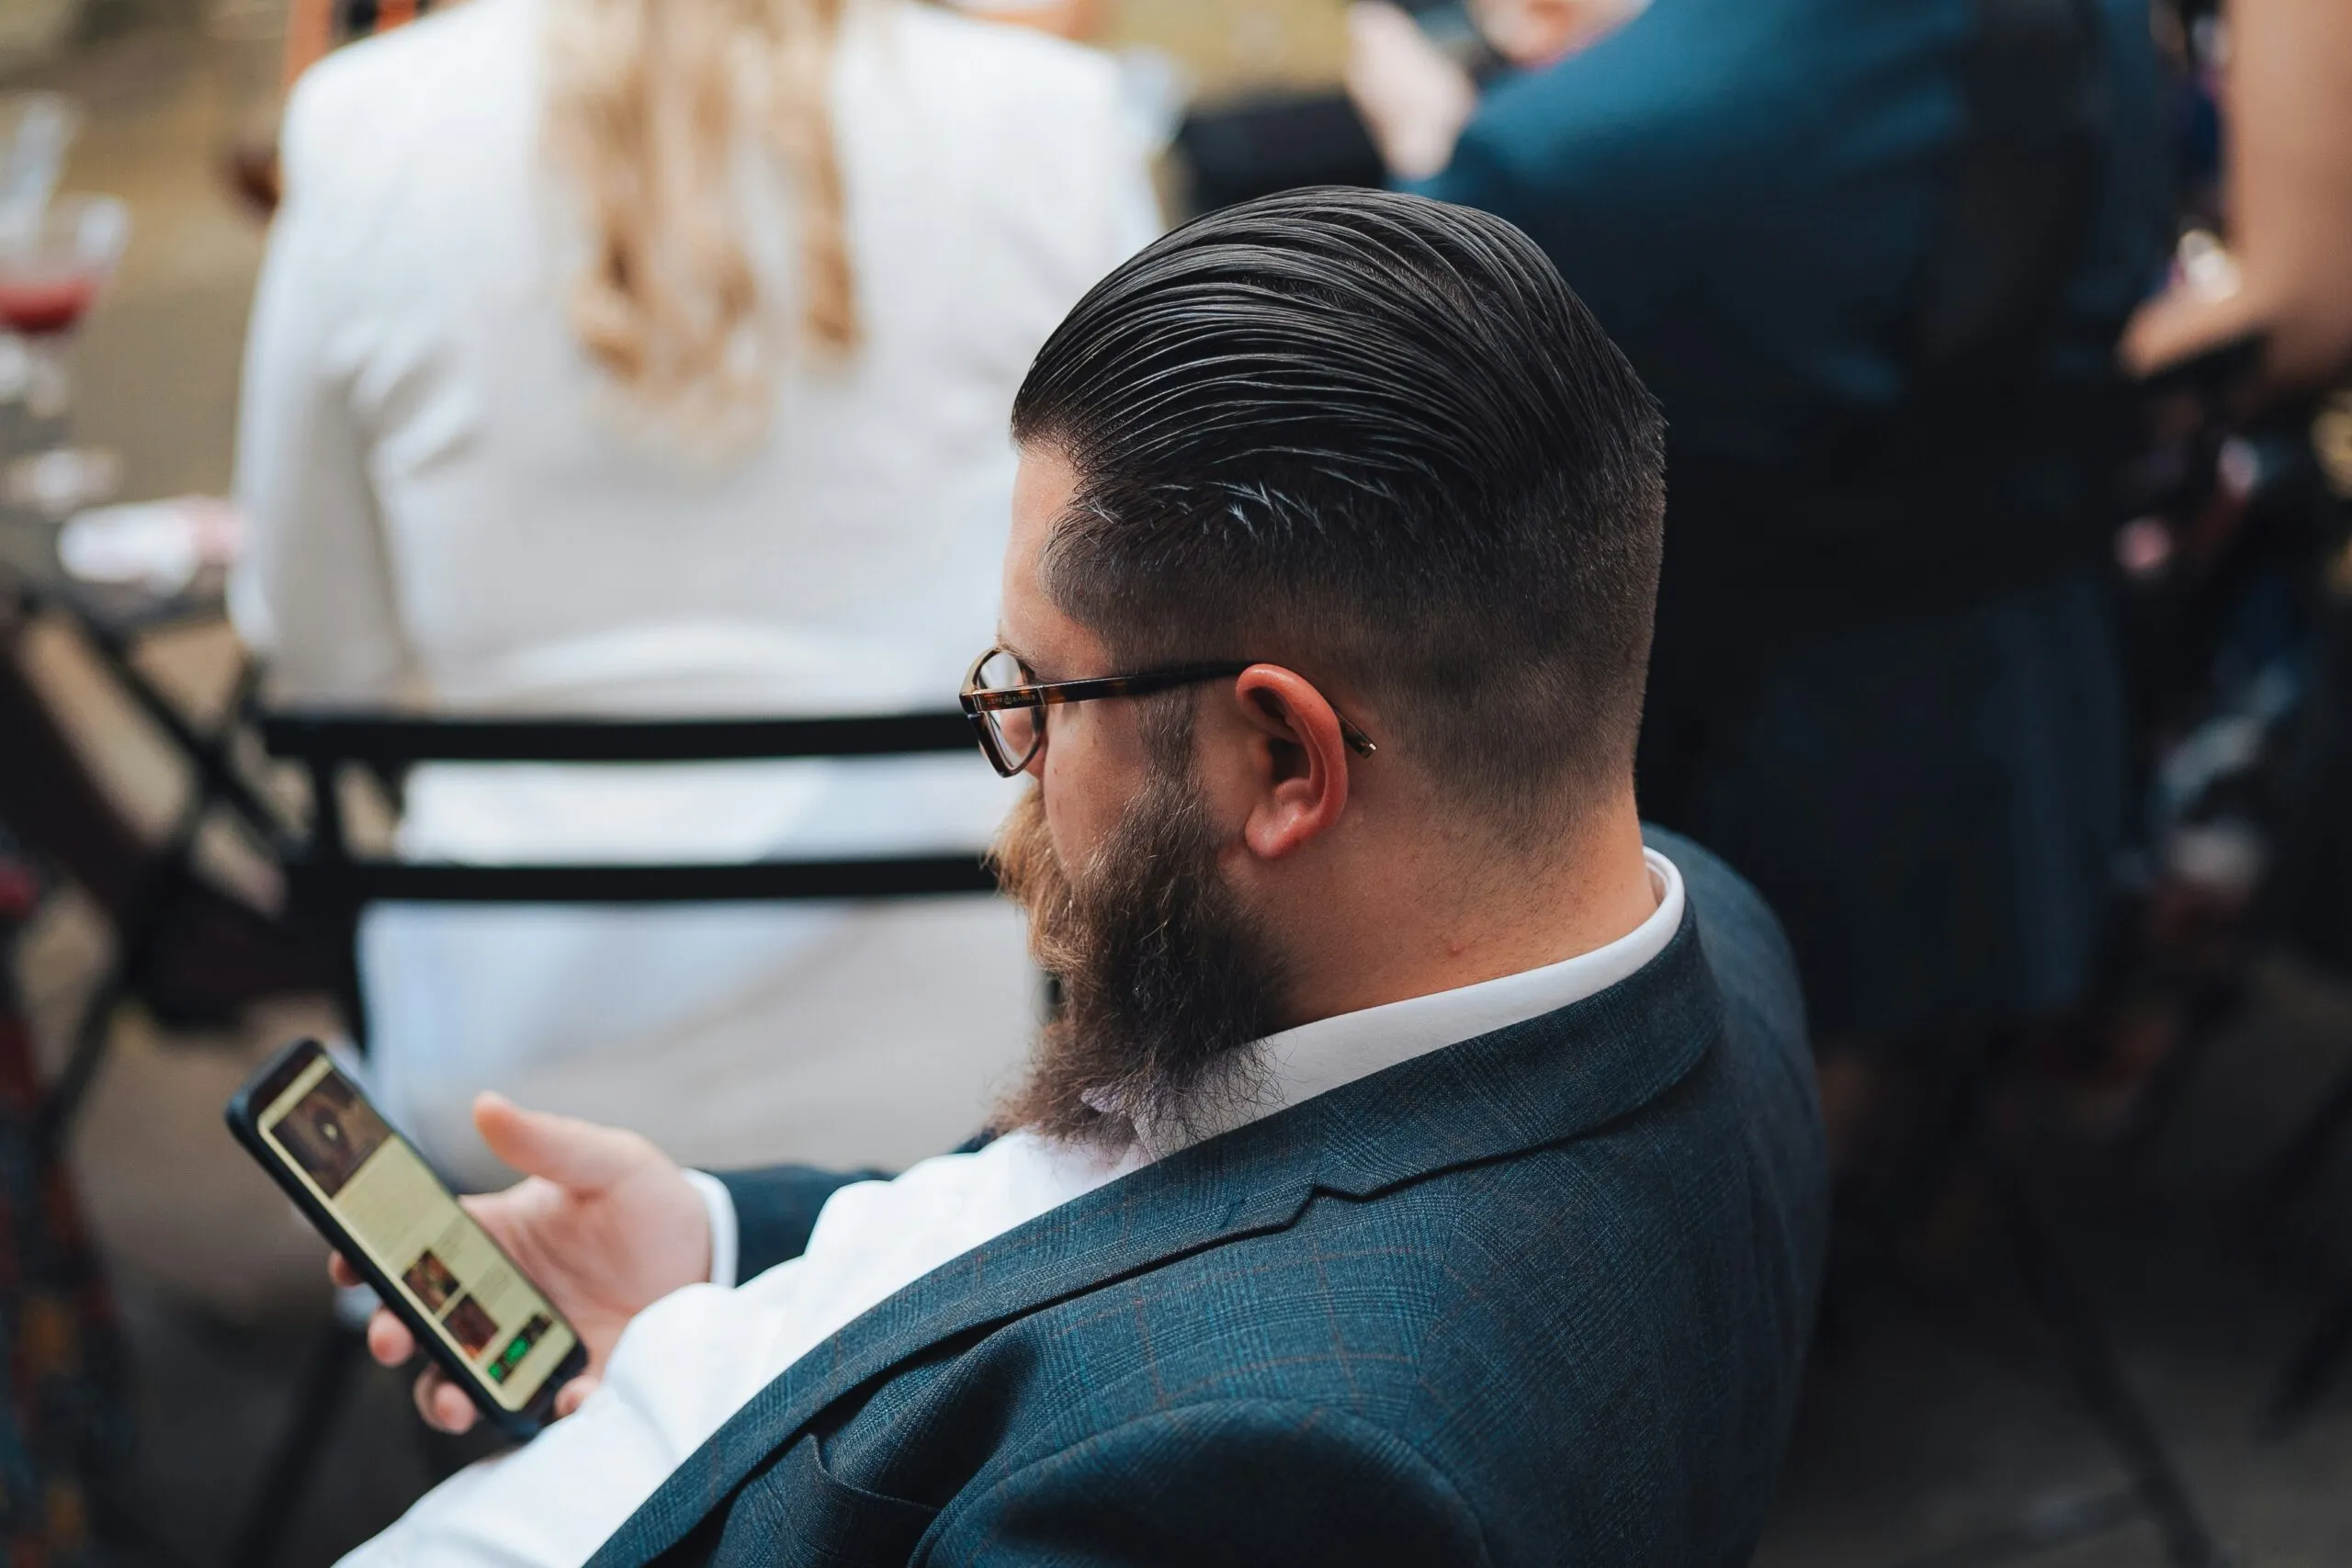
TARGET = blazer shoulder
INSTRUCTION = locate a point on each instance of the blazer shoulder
(1014, 64)
(1047, 111)
(367, 104)
(1746, 947)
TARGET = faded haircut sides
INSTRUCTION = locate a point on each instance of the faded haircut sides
(1382, 431)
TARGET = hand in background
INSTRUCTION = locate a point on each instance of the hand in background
(2287, 94)
(1414, 98)
(603, 1222)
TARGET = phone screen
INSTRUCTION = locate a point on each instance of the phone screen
(392, 1205)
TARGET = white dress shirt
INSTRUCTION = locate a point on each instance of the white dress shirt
(449, 504)
(691, 1360)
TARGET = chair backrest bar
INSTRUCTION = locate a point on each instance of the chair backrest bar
(325, 742)
(427, 882)
(392, 740)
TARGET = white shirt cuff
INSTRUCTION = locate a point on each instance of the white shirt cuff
(719, 1204)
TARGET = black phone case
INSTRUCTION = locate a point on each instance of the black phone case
(244, 1121)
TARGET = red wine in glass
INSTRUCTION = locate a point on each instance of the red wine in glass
(53, 263)
(39, 305)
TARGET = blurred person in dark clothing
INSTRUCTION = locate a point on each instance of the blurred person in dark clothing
(1874, 260)
(1422, 1168)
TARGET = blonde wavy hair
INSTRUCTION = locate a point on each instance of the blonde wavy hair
(652, 106)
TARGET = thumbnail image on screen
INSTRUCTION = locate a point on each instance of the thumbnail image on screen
(431, 1280)
(331, 1131)
(472, 1327)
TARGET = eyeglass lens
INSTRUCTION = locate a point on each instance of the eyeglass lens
(1016, 730)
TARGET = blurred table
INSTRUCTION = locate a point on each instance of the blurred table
(112, 619)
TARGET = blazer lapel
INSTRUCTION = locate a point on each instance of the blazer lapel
(1540, 1082)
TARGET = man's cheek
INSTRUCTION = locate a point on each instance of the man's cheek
(1079, 806)
(1072, 828)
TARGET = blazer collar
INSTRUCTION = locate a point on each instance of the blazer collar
(1544, 1081)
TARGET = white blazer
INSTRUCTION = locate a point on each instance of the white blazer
(449, 505)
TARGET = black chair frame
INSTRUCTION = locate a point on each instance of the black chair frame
(331, 884)
(112, 636)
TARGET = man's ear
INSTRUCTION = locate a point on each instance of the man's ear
(1303, 760)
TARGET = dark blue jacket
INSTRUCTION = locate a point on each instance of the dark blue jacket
(1748, 193)
(1755, 198)
(1542, 1297)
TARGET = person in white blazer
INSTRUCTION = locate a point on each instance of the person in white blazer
(653, 357)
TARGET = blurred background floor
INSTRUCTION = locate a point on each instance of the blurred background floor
(1909, 1442)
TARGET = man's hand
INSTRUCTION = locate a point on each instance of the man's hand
(1413, 98)
(604, 1222)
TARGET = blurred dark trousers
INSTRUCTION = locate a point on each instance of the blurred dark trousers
(1932, 804)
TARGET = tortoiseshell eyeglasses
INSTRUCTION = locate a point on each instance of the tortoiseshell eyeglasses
(1009, 709)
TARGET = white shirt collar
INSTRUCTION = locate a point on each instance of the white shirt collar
(1315, 1058)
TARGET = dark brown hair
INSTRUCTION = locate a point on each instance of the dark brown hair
(1382, 431)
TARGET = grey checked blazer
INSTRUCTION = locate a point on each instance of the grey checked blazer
(1541, 1297)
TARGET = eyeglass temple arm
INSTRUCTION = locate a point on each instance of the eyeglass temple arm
(1061, 692)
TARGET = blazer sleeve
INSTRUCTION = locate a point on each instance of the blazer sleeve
(775, 1210)
(1238, 1483)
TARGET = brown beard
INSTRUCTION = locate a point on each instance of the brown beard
(1166, 981)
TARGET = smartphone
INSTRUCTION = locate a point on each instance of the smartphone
(377, 1202)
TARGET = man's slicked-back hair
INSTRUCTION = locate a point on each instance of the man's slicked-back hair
(1381, 435)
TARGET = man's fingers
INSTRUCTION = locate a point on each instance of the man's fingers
(570, 1397)
(452, 1410)
(341, 1273)
(444, 1404)
(570, 1152)
(389, 1340)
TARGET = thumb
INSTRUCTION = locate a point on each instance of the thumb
(580, 1156)
(573, 1394)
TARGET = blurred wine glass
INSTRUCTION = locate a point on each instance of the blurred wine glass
(53, 264)
(36, 129)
